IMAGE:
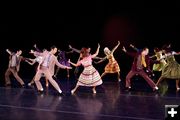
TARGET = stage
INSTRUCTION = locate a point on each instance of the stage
(111, 102)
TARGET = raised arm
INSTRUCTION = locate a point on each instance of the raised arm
(130, 54)
(97, 52)
(115, 47)
(74, 49)
(8, 51)
(133, 47)
(37, 49)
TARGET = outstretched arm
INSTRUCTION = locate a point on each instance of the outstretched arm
(97, 52)
(103, 59)
(31, 63)
(135, 48)
(98, 58)
(115, 47)
(8, 51)
(77, 64)
(74, 49)
(60, 65)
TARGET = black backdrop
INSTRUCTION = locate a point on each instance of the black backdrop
(87, 23)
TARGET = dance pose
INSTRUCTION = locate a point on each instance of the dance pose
(63, 60)
(138, 66)
(172, 69)
(112, 66)
(158, 54)
(47, 67)
(78, 69)
(38, 60)
(90, 76)
(13, 67)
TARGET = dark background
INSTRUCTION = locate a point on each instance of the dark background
(142, 23)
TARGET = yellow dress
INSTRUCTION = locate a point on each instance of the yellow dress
(112, 66)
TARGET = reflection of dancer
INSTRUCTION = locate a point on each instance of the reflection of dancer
(112, 66)
(138, 66)
(13, 68)
(63, 60)
(89, 76)
(46, 67)
(90, 105)
(172, 69)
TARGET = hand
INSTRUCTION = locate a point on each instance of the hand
(70, 47)
(69, 61)
(68, 67)
(98, 45)
(32, 51)
(131, 45)
(34, 46)
(118, 42)
(124, 49)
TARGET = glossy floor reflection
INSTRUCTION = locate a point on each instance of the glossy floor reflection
(110, 103)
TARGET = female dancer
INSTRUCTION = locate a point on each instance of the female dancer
(90, 76)
(172, 69)
(63, 60)
(112, 66)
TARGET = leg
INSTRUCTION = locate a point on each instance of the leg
(15, 73)
(47, 82)
(177, 85)
(52, 81)
(73, 90)
(7, 78)
(57, 70)
(36, 80)
(159, 80)
(148, 80)
(68, 73)
(104, 73)
(128, 78)
(94, 89)
(32, 81)
(118, 76)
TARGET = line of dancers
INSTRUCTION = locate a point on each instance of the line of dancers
(164, 63)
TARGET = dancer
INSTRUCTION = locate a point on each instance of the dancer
(46, 67)
(63, 60)
(38, 60)
(112, 66)
(138, 66)
(148, 61)
(158, 54)
(172, 69)
(78, 69)
(13, 67)
(90, 76)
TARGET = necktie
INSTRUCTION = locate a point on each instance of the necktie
(143, 62)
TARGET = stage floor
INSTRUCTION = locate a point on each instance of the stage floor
(110, 103)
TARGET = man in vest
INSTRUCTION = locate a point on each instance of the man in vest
(138, 66)
(13, 67)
